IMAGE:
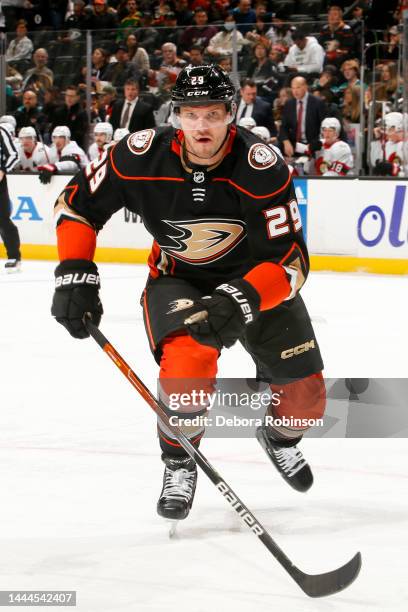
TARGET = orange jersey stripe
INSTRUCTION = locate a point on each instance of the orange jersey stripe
(270, 281)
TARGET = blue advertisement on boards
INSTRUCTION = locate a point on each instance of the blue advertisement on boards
(301, 196)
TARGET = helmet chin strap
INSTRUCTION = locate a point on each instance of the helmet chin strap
(187, 161)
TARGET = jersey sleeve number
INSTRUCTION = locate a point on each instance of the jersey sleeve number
(95, 172)
(277, 219)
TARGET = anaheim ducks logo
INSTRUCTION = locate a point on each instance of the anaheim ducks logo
(181, 304)
(201, 241)
(260, 156)
(140, 142)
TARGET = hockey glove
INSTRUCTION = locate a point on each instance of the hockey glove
(76, 294)
(220, 319)
(46, 172)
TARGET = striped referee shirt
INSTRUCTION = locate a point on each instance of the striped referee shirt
(8, 151)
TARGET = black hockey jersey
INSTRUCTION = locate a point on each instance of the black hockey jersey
(209, 225)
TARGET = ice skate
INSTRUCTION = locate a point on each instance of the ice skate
(179, 483)
(288, 460)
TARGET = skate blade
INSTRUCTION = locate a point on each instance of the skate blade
(172, 527)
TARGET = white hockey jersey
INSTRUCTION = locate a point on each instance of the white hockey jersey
(334, 160)
(30, 162)
(394, 154)
(71, 149)
(94, 151)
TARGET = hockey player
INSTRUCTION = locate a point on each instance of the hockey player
(227, 263)
(335, 158)
(103, 133)
(387, 157)
(32, 152)
(65, 155)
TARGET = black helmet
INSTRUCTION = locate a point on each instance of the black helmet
(201, 84)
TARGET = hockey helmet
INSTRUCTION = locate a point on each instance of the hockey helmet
(120, 133)
(9, 119)
(247, 122)
(262, 132)
(331, 123)
(61, 130)
(394, 121)
(203, 85)
(27, 132)
(104, 128)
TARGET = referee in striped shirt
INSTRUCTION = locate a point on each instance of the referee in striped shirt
(8, 231)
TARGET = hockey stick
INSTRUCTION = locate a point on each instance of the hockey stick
(314, 585)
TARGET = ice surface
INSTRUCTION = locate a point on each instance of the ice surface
(80, 471)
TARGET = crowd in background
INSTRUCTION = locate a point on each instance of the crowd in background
(299, 62)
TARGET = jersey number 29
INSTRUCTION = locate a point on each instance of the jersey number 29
(95, 172)
(277, 219)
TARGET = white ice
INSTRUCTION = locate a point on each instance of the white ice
(80, 471)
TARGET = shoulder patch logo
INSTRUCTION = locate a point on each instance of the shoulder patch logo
(139, 142)
(260, 156)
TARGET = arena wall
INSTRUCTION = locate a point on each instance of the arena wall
(350, 224)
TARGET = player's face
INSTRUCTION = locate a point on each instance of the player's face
(28, 144)
(100, 139)
(329, 135)
(60, 142)
(204, 127)
(394, 135)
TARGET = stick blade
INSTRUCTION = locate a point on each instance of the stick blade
(320, 585)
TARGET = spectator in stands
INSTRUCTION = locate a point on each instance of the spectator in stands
(108, 98)
(72, 115)
(184, 15)
(196, 56)
(169, 32)
(101, 18)
(78, 20)
(260, 66)
(351, 73)
(221, 43)
(225, 63)
(250, 105)
(301, 118)
(244, 16)
(165, 77)
(198, 34)
(131, 112)
(285, 94)
(98, 114)
(30, 113)
(305, 56)
(389, 81)
(280, 33)
(120, 69)
(337, 37)
(131, 20)
(40, 72)
(391, 51)
(259, 32)
(137, 54)
(50, 105)
(351, 104)
(21, 47)
(100, 64)
(277, 55)
(147, 36)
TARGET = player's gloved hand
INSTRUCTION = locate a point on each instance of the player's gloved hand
(315, 145)
(220, 319)
(384, 168)
(76, 293)
(46, 172)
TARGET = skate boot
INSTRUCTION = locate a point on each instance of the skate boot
(12, 265)
(179, 483)
(287, 459)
